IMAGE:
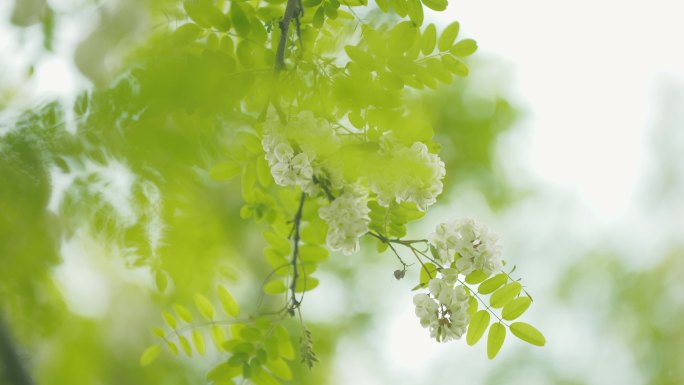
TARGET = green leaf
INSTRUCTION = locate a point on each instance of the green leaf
(281, 244)
(528, 333)
(384, 5)
(516, 308)
(454, 65)
(223, 372)
(150, 354)
(239, 18)
(229, 304)
(263, 172)
(415, 11)
(495, 339)
(169, 319)
(448, 37)
(399, 7)
(218, 336)
(275, 287)
(363, 58)
(185, 345)
(161, 281)
(204, 306)
(172, 348)
(477, 327)
(492, 284)
(426, 272)
(402, 37)
(472, 307)
(307, 284)
(250, 334)
(187, 33)
(436, 5)
(280, 368)
(465, 47)
(311, 3)
(159, 332)
(476, 276)
(504, 295)
(313, 253)
(428, 40)
(224, 171)
(182, 312)
(198, 340)
(318, 18)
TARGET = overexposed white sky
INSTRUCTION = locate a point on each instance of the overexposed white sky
(586, 72)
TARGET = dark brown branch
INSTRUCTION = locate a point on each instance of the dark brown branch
(292, 10)
(295, 253)
(14, 371)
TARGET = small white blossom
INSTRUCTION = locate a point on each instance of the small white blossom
(419, 182)
(471, 244)
(288, 168)
(444, 311)
(347, 218)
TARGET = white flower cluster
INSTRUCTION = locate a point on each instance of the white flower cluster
(288, 168)
(347, 218)
(471, 244)
(418, 176)
(444, 311)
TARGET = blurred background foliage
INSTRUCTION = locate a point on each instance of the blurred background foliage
(79, 292)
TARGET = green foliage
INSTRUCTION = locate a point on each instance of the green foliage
(188, 115)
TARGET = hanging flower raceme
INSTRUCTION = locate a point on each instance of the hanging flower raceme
(416, 177)
(444, 310)
(347, 219)
(470, 244)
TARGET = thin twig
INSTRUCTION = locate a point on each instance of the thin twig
(295, 252)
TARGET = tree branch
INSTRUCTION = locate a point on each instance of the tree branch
(292, 10)
(14, 371)
(295, 253)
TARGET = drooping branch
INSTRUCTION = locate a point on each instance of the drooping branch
(292, 11)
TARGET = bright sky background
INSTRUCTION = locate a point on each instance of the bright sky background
(587, 73)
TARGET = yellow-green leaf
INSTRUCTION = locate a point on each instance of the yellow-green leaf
(161, 281)
(454, 65)
(185, 345)
(182, 312)
(280, 368)
(204, 306)
(172, 348)
(428, 40)
(528, 333)
(230, 306)
(478, 324)
(476, 276)
(495, 339)
(436, 5)
(150, 354)
(505, 294)
(465, 47)
(492, 284)
(515, 308)
(218, 336)
(169, 319)
(159, 332)
(275, 287)
(448, 36)
(240, 20)
(198, 340)
(415, 11)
